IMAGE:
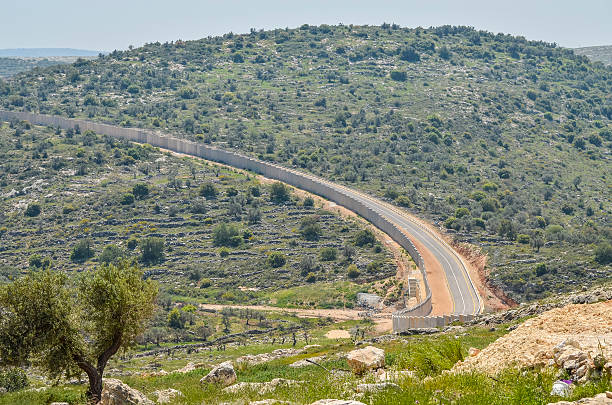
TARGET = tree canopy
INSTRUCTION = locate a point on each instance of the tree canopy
(66, 329)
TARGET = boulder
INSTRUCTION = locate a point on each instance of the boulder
(337, 402)
(368, 358)
(115, 392)
(472, 352)
(222, 374)
(168, 395)
(304, 363)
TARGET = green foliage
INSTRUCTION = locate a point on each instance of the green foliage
(310, 228)
(111, 254)
(208, 190)
(364, 237)
(399, 75)
(352, 271)
(67, 329)
(13, 379)
(276, 259)
(226, 235)
(82, 251)
(279, 193)
(32, 210)
(127, 199)
(328, 254)
(175, 319)
(603, 253)
(140, 191)
(152, 250)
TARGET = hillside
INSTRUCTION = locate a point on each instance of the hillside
(503, 142)
(12, 66)
(601, 54)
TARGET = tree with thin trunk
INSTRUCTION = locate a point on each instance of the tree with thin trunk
(68, 326)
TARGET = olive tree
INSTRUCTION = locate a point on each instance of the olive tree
(68, 327)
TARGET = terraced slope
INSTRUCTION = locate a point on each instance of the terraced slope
(503, 142)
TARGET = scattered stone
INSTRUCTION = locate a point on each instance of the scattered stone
(562, 389)
(368, 358)
(261, 387)
(253, 359)
(168, 395)
(368, 388)
(270, 402)
(222, 374)
(115, 392)
(59, 403)
(189, 367)
(337, 402)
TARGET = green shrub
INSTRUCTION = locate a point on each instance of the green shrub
(279, 192)
(82, 251)
(35, 261)
(13, 379)
(224, 252)
(208, 191)
(523, 239)
(310, 228)
(365, 237)
(399, 75)
(352, 271)
(111, 254)
(328, 254)
(140, 191)
(308, 202)
(127, 199)
(276, 259)
(152, 250)
(603, 253)
(311, 278)
(226, 235)
(176, 319)
(132, 243)
(33, 210)
(205, 283)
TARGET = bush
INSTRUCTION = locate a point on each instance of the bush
(13, 379)
(399, 76)
(33, 210)
(82, 251)
(540, 269)
(311, 278)
(132, 243)
(276, 259)
(205, 283)
(226, 235)
(140, 191)
(224, 252)
(365, 237)
(603, 253)
(352, 271)
(523, 239)
(208, 191)
(279, 193)
(152, 250)
(328, 254)
(35, 261)
(489, 204)
(111, 254)
(127, 199)
(310, 228)
(175, 319)
(308, 202)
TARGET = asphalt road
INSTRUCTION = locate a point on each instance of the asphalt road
(463, 293)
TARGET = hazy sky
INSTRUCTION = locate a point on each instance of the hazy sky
(114, 24)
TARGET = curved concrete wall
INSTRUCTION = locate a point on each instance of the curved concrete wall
(304, 181)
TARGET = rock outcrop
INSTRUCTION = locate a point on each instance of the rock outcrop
(115, 392)
(368, 358)
(223, 374)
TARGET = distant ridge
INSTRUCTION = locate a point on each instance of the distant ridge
(601, 53)
(45, 52)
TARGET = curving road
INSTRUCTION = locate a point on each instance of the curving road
(465, 297)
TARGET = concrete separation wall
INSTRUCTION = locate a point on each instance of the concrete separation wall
(313, 184)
